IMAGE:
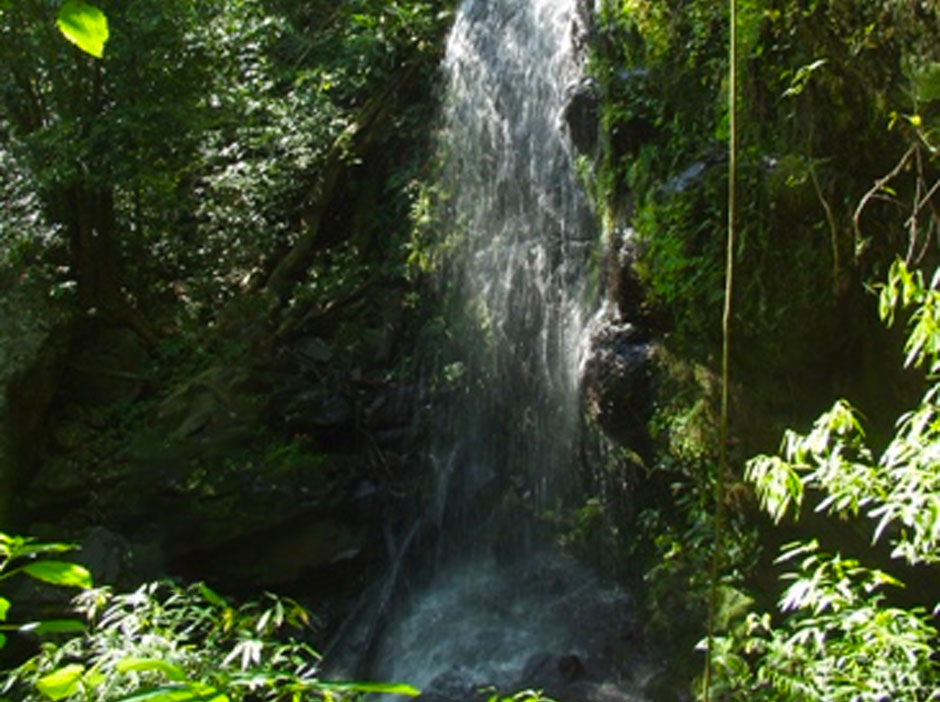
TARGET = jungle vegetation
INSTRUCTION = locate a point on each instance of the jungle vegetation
(202, 210)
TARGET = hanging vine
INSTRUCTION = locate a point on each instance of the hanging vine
(726, 340)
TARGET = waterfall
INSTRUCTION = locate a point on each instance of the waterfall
(519, 234)
(496, 605)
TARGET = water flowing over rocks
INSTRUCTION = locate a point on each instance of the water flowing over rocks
(542, 623)
(477, 594)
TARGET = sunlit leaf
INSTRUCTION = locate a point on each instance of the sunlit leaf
(4, 608)
(28, 547)
(84, 25)
(59, 573)
(380, 687)
(54, 626)
(62, 682)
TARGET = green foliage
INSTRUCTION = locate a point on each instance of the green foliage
(205, 129)
(166, 643)
(840, 638)
(816, 79)
(26, 556)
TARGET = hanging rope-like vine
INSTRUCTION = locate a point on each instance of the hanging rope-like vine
(726, 341)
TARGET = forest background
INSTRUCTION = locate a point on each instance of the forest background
(217, 247)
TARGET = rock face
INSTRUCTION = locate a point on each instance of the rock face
(581, 115)
(616, 379)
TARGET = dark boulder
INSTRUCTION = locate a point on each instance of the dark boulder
(581, 114)
(616, 381)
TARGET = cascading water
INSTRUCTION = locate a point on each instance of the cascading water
(498, 608)
(521, 233)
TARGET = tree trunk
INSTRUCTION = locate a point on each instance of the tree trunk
(90, 223)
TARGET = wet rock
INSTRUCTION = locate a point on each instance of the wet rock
(392, 407)
(580, 113)
(106, 554)
(683, 181)
(321, 408)
(693, 175)
(205, 405)
(284, 554)
(313, 349)
(585, 691)
(616, 381)
(550, 671)
(626, 290)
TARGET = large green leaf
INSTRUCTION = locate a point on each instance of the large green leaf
(19, 547)
(84, 25)
(171, 670)
(62, 682)
(59, 573)
(54, 626)
(4, 608)
(3, 640)
(381, 687)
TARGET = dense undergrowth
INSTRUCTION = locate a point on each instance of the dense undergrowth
(837, 108)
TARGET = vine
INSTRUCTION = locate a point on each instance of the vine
(726, 339)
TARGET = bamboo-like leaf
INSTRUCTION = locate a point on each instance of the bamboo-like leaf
(211, 596)
(60, 573)
(84, 25)
(380, 687)
(28, 547)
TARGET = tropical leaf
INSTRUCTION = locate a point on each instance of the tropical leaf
(53, 626)
(62, 682)
(60, 573)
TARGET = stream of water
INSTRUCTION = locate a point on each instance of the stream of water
(499, 606)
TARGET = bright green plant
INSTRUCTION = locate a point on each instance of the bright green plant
(840, 638)
(20, 556)
(84, 25)
(167, 643)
